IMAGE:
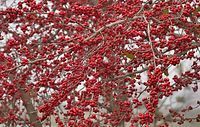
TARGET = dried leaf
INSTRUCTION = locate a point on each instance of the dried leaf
(165, 11)
(129, 55)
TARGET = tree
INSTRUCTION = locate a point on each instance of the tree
(83, 62)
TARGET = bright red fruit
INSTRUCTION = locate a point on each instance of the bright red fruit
(97, 63)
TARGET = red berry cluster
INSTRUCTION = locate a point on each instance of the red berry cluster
(91, 63)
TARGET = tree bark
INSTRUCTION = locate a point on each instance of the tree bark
(32, 113)
(26, 98)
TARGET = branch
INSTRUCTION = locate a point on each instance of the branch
(149, 37)
(115, 23)
(32, 113)
(31, 62)
(128, 74)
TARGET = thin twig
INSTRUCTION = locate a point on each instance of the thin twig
(149, 37)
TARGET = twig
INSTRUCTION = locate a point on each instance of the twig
(149, 37)
(130, 74)
(110, 25)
